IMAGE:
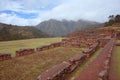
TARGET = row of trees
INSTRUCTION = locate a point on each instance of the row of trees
(112, 20)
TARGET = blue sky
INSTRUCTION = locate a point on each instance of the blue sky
(32, 12)
(20, 14)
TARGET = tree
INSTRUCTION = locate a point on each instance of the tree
(111, 17)
(111, 22)
(117, 18)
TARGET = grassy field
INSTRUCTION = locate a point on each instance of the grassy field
(116, 59)
(12, 46)
(82, 67)
(31, 66)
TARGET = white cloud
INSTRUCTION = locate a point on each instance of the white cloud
(13, 19)
(35, 4)
(9, 5)
(62, 9)
(85, 9)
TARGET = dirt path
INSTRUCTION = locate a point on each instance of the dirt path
(92, 71)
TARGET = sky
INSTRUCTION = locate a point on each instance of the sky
(32, 12)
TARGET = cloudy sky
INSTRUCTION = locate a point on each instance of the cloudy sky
(32, 12)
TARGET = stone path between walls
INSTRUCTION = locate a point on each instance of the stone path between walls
(94, 68)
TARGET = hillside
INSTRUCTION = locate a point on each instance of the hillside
(12, 32)
(61, 28)
(36, 32)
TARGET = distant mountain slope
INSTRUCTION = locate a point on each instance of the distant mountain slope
(61, 28)
(10, 32)
(36, 32)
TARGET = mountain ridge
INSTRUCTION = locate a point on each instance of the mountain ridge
(47, 28)
(63, 27)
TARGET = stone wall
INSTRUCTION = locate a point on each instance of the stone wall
(23, 52)
(117, 44)
(53, 45)
(5, 56)
(60, 71)
(103, 75)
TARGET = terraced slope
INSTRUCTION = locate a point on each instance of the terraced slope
(31, 66)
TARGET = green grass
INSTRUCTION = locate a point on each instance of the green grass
(12, 46)
(116, 59)
(31, 66)
(118, 40)
(83, 66)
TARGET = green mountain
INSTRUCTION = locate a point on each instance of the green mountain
(13, 32)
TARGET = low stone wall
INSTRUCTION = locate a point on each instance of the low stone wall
(104, 41)
(117, 44)
(60, 72)
(53, 45)
(5, 57)
(118, 35)
(104, 74)
(57, 72)
(23, 52)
